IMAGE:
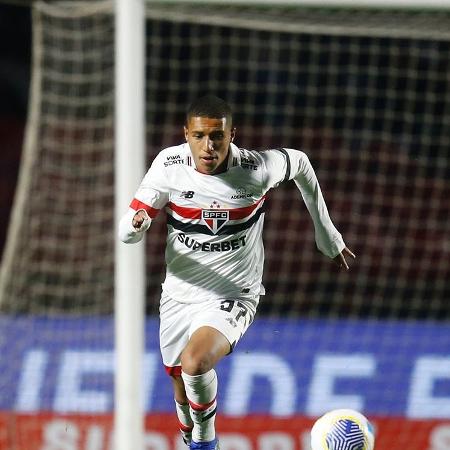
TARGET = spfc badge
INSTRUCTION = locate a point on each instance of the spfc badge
(215, 219)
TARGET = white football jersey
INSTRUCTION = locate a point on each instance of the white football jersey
(215, 222)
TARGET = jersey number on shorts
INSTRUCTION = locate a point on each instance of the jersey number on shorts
(228, 305)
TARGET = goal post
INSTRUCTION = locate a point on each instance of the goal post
(130, 163)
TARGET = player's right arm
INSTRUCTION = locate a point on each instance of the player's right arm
(151, 196)
(133, 224)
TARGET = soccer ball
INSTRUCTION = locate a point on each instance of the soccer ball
(342, 429)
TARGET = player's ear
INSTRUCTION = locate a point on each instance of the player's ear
(233, 133)
(185, 133)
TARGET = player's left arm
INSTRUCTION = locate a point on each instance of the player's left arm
(296, 166)
(340, 260)
(328, 239)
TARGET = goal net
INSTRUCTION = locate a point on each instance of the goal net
(366, 94)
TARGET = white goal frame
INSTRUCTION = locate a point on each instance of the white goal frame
(129, 280)
(391, 4)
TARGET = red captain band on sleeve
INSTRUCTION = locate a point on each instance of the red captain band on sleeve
(136, 205)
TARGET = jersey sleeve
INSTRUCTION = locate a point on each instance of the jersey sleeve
(151, 195)
(328, 240)
(153, 192)
(277, 167)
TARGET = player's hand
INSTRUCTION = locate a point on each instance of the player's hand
(139, 218)
(340, 259)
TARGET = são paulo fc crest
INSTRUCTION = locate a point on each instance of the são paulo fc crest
(215, 219)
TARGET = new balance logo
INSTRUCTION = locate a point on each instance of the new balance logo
(187, 194)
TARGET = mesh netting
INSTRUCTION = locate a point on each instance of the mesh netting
(371, 110)
(372, 114)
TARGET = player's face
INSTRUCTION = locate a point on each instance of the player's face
(209, 140)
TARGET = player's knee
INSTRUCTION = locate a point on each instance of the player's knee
(194, 363)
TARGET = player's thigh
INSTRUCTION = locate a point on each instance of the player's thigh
(206, 347)
(175, 321)
(218, 319)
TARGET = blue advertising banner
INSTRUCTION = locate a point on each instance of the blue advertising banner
(281, 367)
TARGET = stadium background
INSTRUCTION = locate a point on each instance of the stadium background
(383, 163)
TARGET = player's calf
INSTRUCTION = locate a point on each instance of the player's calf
(185, 422)
(201, 391)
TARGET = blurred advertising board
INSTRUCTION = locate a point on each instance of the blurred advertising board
(56, 383)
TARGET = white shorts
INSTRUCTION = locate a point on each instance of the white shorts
(178, 321)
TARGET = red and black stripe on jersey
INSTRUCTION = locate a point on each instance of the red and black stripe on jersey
(189, 218)
(188, 215)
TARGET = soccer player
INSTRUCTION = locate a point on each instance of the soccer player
(213, 193)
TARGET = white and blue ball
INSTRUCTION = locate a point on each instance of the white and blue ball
(342, 429)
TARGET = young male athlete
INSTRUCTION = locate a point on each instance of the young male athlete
(213, 193)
